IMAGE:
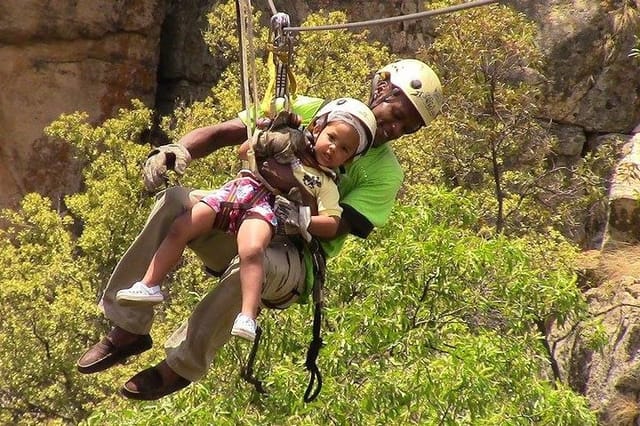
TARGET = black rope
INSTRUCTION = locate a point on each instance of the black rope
(315, 380)
(247, 370)
(401, 18)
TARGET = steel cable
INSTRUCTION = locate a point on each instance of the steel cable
(408, 17)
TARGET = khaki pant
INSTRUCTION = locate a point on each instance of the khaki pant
(192, 347)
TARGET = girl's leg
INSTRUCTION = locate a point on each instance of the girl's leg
(185, 228)
(254, 235)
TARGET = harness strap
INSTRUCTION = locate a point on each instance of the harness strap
(315, 379)
(230, 204)
(247, 371)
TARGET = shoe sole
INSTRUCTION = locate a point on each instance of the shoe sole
(154, 394)
(139, 300)
(243, 334)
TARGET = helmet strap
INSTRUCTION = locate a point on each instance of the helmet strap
(377, 99)
(316, 126)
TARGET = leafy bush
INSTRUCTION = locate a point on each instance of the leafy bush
(429, 321)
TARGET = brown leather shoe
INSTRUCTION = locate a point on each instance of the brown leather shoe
(149, 384)
(105, 354)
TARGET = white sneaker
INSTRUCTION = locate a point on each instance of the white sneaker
(140, 293)
(244, 327)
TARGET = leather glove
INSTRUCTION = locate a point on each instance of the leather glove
(166, 157)
(292, 218)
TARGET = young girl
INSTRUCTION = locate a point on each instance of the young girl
(340, 131)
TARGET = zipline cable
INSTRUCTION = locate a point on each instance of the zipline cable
(408, 17)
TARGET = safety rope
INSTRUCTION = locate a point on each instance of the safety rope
(247, 63)
(315, 379)
(401, 18)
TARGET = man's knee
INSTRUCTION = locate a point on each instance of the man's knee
(177, 197)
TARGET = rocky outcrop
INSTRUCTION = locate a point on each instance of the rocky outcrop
(187, 71)
(65, 56)
(607, 368)
(587, 45)
(94, 56)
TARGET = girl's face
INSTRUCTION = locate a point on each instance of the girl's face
(336, 143)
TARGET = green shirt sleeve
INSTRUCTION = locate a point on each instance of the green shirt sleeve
(305, 106)
(369, 186)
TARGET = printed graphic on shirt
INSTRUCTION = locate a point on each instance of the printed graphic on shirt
(311, 181)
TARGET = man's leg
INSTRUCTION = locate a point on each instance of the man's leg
(192, 347)
(137, 319)
(132, 323)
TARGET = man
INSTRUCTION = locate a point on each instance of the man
(406, 95)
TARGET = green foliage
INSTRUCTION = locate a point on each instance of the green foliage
(51, 279)
(489, 138)
(43, 310)
(594, 333)
(113, 182)
(427, 322)
(331, 64)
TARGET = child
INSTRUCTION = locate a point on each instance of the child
(340, 131)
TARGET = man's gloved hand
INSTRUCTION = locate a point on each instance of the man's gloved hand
(166, 157)
(292, 218)
(278, 175)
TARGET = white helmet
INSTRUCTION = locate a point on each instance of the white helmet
(418, 82)
(365, 123)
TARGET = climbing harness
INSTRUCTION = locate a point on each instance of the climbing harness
(231, 209)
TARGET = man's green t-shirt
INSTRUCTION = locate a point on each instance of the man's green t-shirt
(368, 190)
(369, 186)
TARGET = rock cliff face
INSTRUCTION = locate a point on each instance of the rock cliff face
(63, 56)
(609, 375)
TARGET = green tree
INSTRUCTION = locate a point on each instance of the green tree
(428, 321)
(51, 279)
(491, 137)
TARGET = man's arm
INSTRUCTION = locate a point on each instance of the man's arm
(344, 226)
(325, 227)
(205, 140)
(196, 144)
